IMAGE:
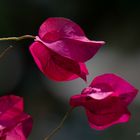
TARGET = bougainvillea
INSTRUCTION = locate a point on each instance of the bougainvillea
(61, 48)
(106, 101)
(60, 51)
(14, 123)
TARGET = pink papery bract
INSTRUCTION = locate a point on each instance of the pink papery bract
(61, 49)
(106, 101)
(14, 123)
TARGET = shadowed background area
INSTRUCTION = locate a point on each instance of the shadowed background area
(116, 22)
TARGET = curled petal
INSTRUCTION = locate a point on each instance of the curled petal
(13, 101)
(67, 39)
(78, 49)
(55, 28)
(101, 122)
(11, 107)
(55, 66)
(21, 131)
(111, 82)
(14, 123)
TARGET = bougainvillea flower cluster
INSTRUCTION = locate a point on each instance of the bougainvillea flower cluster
(106, 101)
(14, 123)
(61, 49)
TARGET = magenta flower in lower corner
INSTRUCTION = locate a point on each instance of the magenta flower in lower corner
(61, 49)
(106, 101)
(14, 123)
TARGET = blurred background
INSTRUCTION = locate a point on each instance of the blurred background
(115, 21)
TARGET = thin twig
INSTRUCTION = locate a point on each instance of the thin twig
(5, 51)
(17, 38)
(59, 126)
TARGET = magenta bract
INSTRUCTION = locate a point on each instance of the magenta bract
(14, 123)
(106, 101)
(61, 48)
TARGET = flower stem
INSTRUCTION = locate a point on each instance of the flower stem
(17, 38)
(59, 126)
